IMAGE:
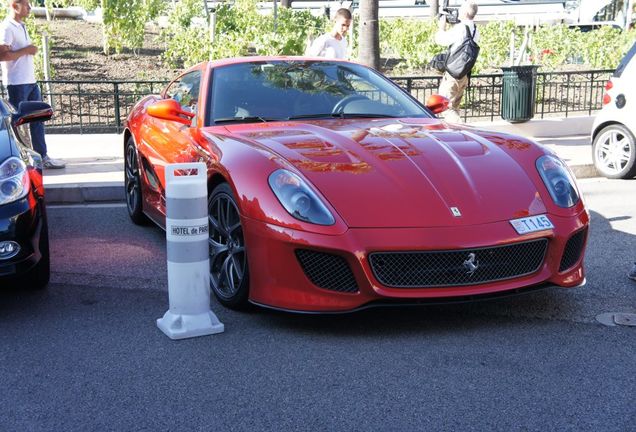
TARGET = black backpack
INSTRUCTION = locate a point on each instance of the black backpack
(460, 61)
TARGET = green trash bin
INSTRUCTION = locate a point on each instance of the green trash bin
(518, 93)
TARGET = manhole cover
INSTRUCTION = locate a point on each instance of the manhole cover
(617, 318)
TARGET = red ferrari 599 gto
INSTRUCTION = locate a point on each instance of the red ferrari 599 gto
(332, 189)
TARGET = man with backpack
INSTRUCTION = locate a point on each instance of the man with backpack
(462, 40)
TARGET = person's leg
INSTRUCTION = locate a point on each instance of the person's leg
(17, 94)
(37, 128)
(462, 83)
(453, 90)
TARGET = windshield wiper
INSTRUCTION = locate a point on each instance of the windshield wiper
(311, 116)
(368, 115)
(247, 119)
(340, 115)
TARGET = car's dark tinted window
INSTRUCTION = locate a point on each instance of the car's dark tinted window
(287, 90)
(628, 57)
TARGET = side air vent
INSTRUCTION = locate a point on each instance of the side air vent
(573, 250)
(327, 271)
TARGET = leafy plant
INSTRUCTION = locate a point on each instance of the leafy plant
(124, 22)
(494, 43)
(606, 46)
(411, 40)
(240, 30)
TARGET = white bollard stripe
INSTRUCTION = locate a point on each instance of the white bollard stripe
(186, 208)
(181, 252)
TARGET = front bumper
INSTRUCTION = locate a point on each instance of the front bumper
(278, 280)
(22, 222)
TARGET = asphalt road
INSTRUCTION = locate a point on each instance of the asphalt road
(86, 353)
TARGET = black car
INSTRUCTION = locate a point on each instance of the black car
(24, 240)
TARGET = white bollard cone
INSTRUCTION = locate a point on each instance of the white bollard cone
(188, 254)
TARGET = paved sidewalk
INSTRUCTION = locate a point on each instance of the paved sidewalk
(95, 162)
(94, 168)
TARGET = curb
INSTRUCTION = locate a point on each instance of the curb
(84, 193)
(549, 127)
(584, 171)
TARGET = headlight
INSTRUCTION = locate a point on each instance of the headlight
(14, 180)
(558, 180)
(298, 199)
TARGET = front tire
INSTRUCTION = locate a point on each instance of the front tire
(132, 185)
(229, 272)
(614, 152)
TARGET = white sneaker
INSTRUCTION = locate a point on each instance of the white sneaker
(52, 163)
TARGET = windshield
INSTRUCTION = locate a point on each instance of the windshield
(288, 90)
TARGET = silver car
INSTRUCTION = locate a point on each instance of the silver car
(613, 142)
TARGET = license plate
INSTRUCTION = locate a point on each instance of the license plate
(531, 224)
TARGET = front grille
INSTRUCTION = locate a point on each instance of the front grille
(573, 249)
(421, 269)
(327, 271)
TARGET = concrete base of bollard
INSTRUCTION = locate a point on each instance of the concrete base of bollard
(177, 326)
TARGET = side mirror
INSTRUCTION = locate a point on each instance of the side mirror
(437, 103)
(32, 111)
(169, 109)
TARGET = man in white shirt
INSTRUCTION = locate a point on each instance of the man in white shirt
(449, 87)
(333, 44)
(18, 72)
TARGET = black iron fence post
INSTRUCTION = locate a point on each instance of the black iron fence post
(79, 105)
(543, 94)
(117, 110)
(492, 97)
(567, 95)
(592, 87)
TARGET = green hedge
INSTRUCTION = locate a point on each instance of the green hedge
(552, 46)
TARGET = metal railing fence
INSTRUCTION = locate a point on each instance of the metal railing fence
(102, 106)
(557, 93)
(93, 106)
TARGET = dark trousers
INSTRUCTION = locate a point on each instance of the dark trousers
(29, 92)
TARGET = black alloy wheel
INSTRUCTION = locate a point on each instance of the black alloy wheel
(132, 184)
(229, 273)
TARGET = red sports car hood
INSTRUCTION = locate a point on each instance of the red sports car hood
(409, 172)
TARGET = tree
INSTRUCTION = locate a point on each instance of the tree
(286, 3)
(434, 8)
(124, 22)
(368, 34)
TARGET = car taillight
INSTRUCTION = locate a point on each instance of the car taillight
(606, 97)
